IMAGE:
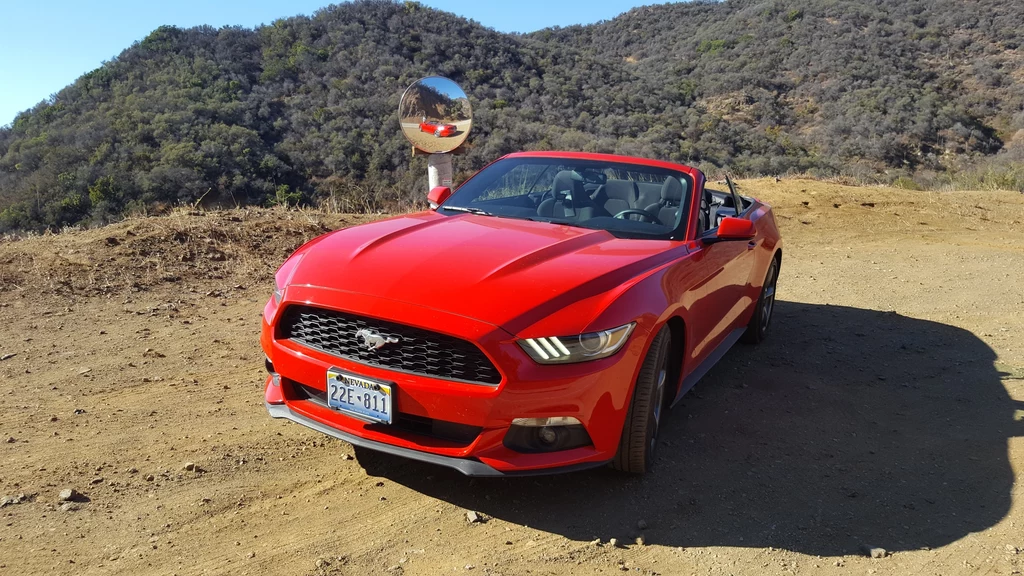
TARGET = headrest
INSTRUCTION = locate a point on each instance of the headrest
(672, 190)
(621, 190)
(567, 181)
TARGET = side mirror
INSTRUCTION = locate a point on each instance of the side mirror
(438, 195)
(732, 228)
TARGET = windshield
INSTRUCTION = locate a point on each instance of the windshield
(628, 200)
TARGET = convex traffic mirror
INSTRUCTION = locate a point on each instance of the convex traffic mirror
(435, 115)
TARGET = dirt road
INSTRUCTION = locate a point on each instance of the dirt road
(885, 410)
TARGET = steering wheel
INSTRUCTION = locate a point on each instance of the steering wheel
(642, 213)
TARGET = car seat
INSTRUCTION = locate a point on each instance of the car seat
(616, 196)
(569, 200)
(668, 207)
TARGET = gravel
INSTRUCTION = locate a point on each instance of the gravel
(875, 551)
(69, 495)
(11, 500)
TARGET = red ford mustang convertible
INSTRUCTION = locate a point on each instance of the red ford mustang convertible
(438, 129)
(541, 318)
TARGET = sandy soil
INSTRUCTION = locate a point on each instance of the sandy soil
(886, 409)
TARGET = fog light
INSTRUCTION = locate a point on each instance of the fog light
(533, 435)
(547, 435)
(551, 421)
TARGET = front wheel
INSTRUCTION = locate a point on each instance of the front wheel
(640, 433)
(757, 328)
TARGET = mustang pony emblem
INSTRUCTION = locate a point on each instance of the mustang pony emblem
(372, 340)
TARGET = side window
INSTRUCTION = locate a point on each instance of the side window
(519, 181)
(737, 202)
(703, 207)
(719, 204)
(713, 208)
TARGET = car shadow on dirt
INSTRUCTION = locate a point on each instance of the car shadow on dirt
(846, 428)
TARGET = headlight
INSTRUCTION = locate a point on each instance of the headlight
(278, 292)
(283, 276)
(580, 348)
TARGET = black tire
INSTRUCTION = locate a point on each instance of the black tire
(760, 321)
(646, 409)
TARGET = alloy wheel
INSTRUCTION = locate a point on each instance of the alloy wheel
(659, 402)
(769, 296)
(659, 395)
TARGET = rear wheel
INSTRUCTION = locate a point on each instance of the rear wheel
(646, 409)
(757, 328)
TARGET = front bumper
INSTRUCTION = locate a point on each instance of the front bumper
(467, 466)
(596, 393)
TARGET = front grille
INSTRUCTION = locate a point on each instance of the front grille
(416, 351)
(462, 434)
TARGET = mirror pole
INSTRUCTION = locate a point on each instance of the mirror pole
(439, 170)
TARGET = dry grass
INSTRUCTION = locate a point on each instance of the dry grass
(186, 245)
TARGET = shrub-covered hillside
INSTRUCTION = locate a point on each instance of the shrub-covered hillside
(305, 109)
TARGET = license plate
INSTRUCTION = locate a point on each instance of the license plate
(358, 396)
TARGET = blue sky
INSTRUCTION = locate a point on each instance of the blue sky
(46, 46)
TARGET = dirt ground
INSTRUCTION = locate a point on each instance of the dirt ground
(885, 410)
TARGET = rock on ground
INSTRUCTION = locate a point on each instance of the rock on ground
(69, 495)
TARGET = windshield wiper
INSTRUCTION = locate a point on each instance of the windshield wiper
(476, 211)
(570, 223)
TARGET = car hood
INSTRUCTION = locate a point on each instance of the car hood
(508, 273)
